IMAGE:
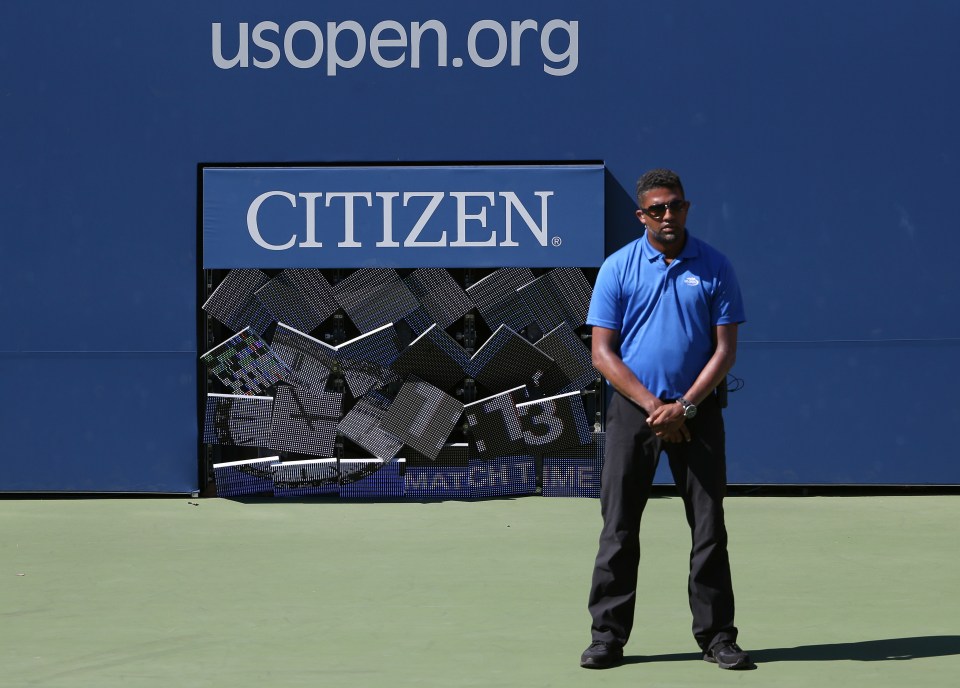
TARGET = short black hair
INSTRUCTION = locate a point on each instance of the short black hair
(659, 178)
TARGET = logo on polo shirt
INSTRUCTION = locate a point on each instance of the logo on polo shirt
(691, 281)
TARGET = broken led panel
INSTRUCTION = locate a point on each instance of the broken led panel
(365, 360)
(434, 357)
(305, 423)
(235, 304)
(497, 300)
(237, 420)
(418, 320)
(302, 478)
(372, 297)
(247, 477)
(494, 424)
(564, 346)
(440, 297)
(507, 360)
(554, 423)
(423, 416)
(301, 298)
(309, 360)
(574, 472)
(363, 425)
(352, 470)
(503, 476)
(561, 295)
(245, 364)
(446, 477)
(371, 478)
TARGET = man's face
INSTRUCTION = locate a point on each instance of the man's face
(664, 213)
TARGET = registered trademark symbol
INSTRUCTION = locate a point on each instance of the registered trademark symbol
(557, 241)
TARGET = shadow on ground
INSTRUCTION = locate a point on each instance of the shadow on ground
(890, 649)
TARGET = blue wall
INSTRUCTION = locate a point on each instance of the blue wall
(818, 142)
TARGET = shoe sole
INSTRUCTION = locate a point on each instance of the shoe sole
(593, 664)
(745, 664)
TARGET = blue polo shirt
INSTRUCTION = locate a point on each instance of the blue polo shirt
(665, 313)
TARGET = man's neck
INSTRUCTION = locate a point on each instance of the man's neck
(670, 250)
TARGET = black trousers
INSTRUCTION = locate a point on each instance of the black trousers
(699, 470)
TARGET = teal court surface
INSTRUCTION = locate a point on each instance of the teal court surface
(831, 591)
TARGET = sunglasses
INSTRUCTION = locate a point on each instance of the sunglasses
(658, 210)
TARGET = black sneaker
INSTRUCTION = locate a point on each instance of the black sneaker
(601, 655)
(728, 656)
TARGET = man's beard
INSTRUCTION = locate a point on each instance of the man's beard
(675, 235)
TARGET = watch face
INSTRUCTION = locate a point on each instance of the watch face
(689, 410)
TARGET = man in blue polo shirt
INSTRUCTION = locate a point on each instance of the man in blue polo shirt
(664, 312)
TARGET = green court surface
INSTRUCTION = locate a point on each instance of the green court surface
(831, 591)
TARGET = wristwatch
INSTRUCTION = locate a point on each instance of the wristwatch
(689, 410)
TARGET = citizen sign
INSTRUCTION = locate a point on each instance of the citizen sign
(352, 220)
(403, 216)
